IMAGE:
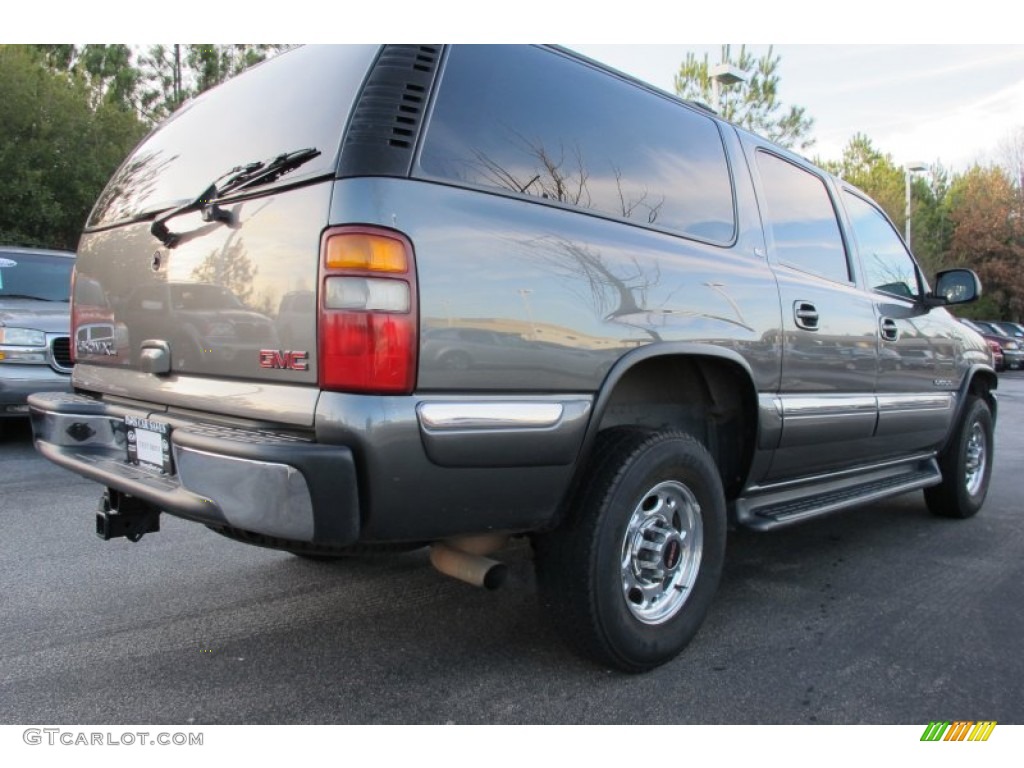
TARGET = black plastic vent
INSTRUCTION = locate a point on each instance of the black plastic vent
(61, 347)
(387, 117)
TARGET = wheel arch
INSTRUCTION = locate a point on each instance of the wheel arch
(980, 381)
(703, 389)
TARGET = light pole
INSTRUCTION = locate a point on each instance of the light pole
(723, 74)
(909, 170)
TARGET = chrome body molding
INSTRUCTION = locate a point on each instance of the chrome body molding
(503, 432)
(925, 402)
(829, 431)
(797, 406)
(490, 415)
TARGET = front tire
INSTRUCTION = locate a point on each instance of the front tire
(630, 574)
(966, 465)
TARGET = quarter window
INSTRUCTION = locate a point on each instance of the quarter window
(536, 123)
(888, 267)
(801, 219)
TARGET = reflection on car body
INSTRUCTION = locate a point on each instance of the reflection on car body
(206, 323)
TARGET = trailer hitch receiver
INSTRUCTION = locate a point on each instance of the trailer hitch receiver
(123, 515)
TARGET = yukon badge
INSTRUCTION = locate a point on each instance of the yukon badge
(286, 360)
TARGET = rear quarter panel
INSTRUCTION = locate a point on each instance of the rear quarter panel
(564, 293)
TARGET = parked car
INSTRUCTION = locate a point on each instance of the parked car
(1014, 330)
(1013, 352)
(35, 355)
(997, 354)
(745, 340)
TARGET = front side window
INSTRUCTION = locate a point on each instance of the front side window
(888, 268)
(532, 122)
(801, 219)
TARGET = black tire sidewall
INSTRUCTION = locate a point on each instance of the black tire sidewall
(977, 412)
(634, 643)
(951, 498)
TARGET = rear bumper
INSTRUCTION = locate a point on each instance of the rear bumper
(270, 484)
(373, 468)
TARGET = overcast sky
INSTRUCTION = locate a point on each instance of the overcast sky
(944, 101)
(952, 104)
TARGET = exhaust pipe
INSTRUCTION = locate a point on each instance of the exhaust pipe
(464, 559)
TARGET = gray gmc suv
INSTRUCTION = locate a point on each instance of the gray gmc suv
(465, 293)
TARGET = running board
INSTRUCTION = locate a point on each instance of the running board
(772, 508)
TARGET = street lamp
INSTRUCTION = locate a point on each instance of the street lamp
(909, 169)
(723, 74)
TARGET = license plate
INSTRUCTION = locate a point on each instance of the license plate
(149, 443)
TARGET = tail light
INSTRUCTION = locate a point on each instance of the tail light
(369, 327)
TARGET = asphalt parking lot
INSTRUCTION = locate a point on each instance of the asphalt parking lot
(882, 614)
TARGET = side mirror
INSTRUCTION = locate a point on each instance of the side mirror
(954, 286)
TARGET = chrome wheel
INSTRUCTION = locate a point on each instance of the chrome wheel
(661, 552)
(965, 463)
(976, 459)
(629, 575)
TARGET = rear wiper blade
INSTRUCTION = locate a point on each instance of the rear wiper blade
(256, 174)
(240, 177)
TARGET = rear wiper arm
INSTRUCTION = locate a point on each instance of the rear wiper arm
(239, 177)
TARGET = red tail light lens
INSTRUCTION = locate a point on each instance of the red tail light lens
(369, 326)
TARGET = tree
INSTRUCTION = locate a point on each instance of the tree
(754, 103)
(1011, 158)
(988, 235)
(59, 144)
(874, 172)
(107, 70)
(69, 114)
(172, 74)
(867, 168)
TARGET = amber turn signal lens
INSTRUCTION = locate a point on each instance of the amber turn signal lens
(372, 253)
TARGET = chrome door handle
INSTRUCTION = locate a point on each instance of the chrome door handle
(889, 330)
(806, 315)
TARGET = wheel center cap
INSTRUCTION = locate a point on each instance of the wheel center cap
(672, 553)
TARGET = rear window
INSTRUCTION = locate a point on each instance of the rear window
(35, 276)
(532, 122)
(297, 100)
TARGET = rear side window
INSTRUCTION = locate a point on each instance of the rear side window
(801, 219)
(532, 122)
(297, 100)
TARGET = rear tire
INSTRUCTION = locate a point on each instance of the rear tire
(629, 575)
(966, 465)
